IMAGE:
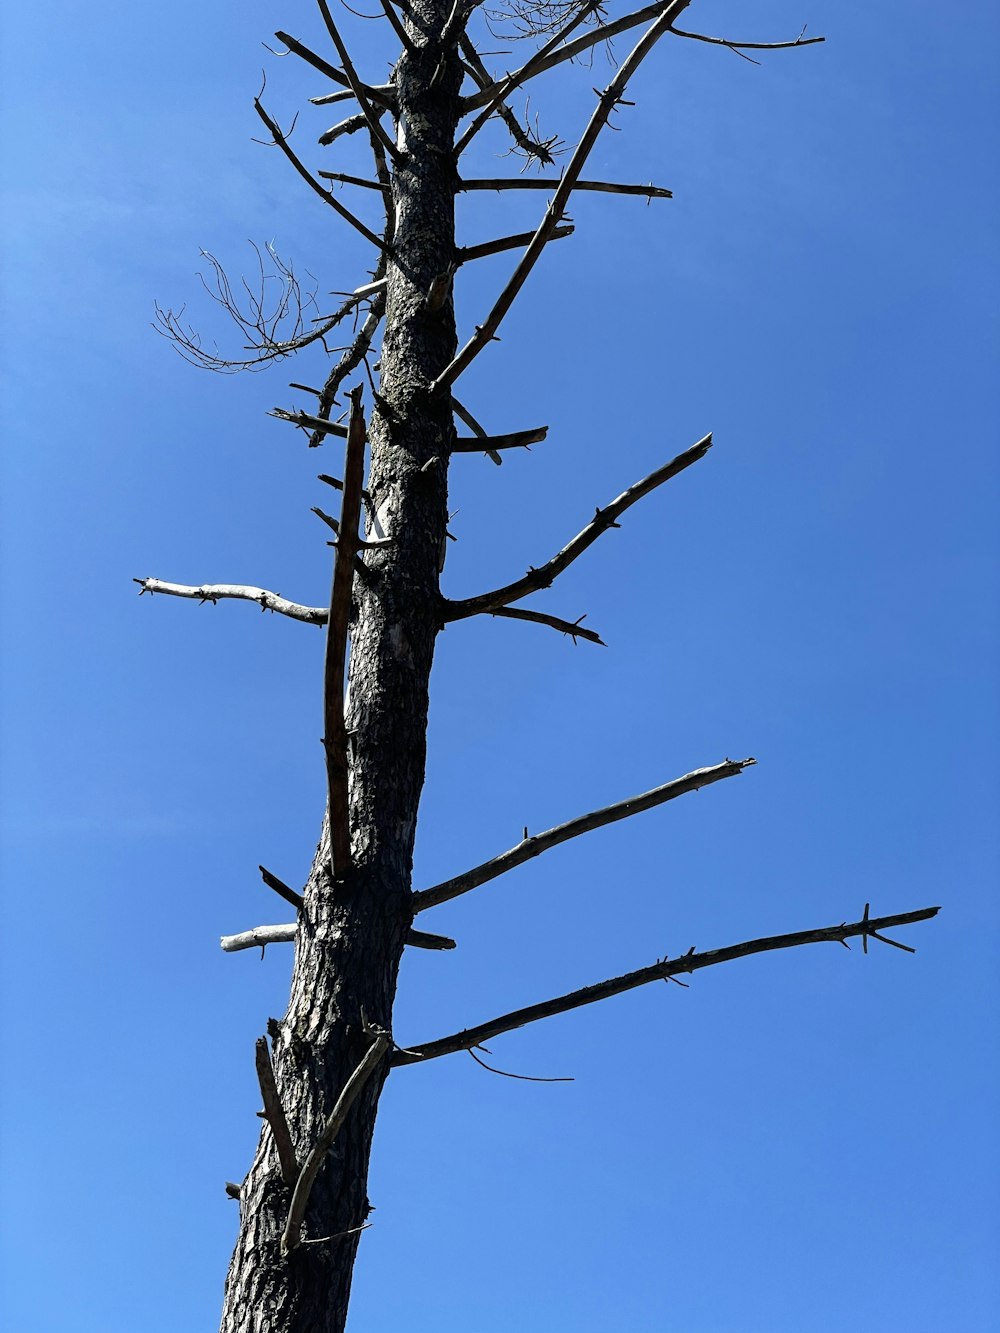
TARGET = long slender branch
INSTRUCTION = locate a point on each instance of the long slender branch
(659, 971)
(571, 627)
(217, 592)
(303, 1187)
(396, 24)
(282, 889)
(327, 195)
(573, 828)
(469, 252)
(550, 183)
(801, 40)
(607, 102)
(536, 579)
(274, 1113)
(354, 83)
(335, 731)
(284, 933)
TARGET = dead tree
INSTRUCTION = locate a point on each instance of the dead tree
(321, 1069)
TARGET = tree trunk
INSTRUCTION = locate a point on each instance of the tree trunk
(352, 927)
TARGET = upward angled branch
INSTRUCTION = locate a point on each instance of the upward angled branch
(603, 519)
(607, 102)
(335, 732)
(382, 96)
(660, 971)
(357, 88)
(541, 842)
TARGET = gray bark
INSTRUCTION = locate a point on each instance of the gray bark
(352, 931)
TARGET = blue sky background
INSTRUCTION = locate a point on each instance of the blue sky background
(803, 1141)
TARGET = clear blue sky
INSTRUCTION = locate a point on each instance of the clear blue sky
(803, 1141)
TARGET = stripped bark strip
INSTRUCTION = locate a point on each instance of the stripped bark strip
(275, 1115)
(300, 1198)
(335, 732)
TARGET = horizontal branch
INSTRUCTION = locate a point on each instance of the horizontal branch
(218, 592)
(274, 1113)
(261, 936)
(308, 421)
(342, 178)
(550, 183)
(543, 577)
(571, 627)
(573, 828)
(659, 971)
(482, 444)
(349, 126)
(300, 1196)
(801, 40)
(466, 253)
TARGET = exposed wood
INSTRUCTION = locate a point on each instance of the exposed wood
(218, 592)
(334, 670)
(260, 936)
(274, 1113)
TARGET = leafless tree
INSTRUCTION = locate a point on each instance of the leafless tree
(303, 1203)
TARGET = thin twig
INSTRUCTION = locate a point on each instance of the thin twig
(604, 519)
(217, 592)
(275, 1115)
(659, 971)
(529, 848)
(538, 150)
(335, 731)
(300, 1196)
(801, 40)
(505, 1073)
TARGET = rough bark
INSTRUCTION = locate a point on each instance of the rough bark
(352, 931)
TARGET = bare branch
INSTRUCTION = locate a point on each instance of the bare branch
(536, 579)
(469, 252)
(659, 971)
(307, 421)
(327, 195)
(300, 1196)
(607, 101)
(571, 627)
(274, 1114)
(217, 592)
(541, 842)
(354, 83)
(233, 1190)
(550, 183)
(801, 40)
(422, 939)
(484, 444)
(381, 94)
(342, 178)
(356, 353)
(259, 937)
(281, 889)
(394, 22)
(492, 98)
(537, 150)
(335, 731)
